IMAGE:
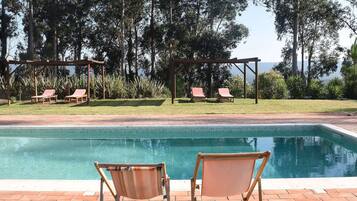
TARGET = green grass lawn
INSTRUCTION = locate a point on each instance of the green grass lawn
(182, 106)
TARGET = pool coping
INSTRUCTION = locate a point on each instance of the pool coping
(316, 184)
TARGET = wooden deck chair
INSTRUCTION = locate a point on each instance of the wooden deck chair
(48, 94)
(226, 175)
(197, 94)
(135, 181)
(224, 94)
(78, 95)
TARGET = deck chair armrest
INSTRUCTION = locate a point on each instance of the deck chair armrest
(257, 179)
(105, 179)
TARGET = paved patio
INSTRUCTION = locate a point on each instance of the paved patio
(341, 120)
(268, 195)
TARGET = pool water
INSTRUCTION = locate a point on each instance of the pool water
(69, 153)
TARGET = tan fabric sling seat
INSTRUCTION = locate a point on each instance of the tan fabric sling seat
(48, 94)
(197, 94)
(225, 175)
(136, 181)
(224, 94)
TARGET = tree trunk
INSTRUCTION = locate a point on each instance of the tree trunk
(295, 38)
(30, 42)
(54, 44)
(123, 72)
(302, 53)
(309, 61)
(152, 38)
(129, 55)
(4, 26)
(136, 50)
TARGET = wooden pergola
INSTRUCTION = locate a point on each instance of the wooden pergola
(176, 66)
(87, 63)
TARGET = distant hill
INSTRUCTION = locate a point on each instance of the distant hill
(267, 66)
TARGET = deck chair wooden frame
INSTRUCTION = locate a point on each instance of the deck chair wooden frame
(257, 178)
(165, 180)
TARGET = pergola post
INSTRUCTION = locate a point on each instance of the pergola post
(245, 80)
(35, 82)
(256, 82)
(88, 83)
(173, 81)
(103, 81)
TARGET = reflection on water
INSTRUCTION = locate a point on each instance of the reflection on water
(306, 156)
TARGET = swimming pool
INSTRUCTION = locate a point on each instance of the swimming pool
(69, 152)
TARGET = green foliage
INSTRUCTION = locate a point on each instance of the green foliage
(115, 87)
(316, 89)
(349, 72)
(272, 85)
(350, 80)
(354, 52)
(296, 86)
(335, 89)
(235, 85)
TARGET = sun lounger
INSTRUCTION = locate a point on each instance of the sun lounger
(135, 181)
(225, 175)
(78, 95)
(224, 94)
(197, 94)
(48, 94)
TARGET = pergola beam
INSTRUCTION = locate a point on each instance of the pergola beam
(216, 61)
(57, 63)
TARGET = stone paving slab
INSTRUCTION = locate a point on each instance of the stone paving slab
(340, 119)
(268, 195)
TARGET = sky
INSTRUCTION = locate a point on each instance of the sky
(262, 40)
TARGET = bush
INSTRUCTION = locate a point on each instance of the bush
(316, 89)
(115, 87)
(296, 86)
(335, 89)
(272, 85)
(236, 86)
(350, 80)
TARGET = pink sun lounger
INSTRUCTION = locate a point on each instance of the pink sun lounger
(225, 175)
(135, 181)
(48, 94)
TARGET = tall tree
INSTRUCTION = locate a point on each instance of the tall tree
(287, 23)
(9, 10)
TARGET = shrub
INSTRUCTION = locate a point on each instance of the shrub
(272, 85)
(296, 86)
(236, 86)
(146, 88)
(350, 80)
(115, 87)
(335, 88)
(316, 89)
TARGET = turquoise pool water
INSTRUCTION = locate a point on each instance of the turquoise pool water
(69, 153)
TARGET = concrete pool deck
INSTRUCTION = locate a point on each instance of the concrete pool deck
(268, 195)
(342, 120)
(275, 190)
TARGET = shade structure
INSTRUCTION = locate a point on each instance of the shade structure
(86, 63)
(175, 67)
